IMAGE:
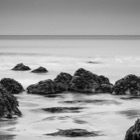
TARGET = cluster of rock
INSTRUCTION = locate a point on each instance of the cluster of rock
(22, 67)
(82, 81)
(133, 133)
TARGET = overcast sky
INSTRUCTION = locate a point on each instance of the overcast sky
(69, 17)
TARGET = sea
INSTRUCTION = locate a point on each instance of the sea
(111, 56)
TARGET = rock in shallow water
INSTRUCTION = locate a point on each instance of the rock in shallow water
(40, 70)
(21, 67)
(62, 82)
(74, 133)
(12, 85)
(43, 87)
(129, 85)
(86, 82)
(8, 104)
(83, 81)
(133, 133)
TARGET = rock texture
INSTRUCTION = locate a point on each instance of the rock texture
(133, 133)
(12, 85)
(74, 133)
(129, 85)
(83, 81)
(8, 104)
(62, 82)
(86, 82)
(43, 87)
(40, 70)
(21, 67)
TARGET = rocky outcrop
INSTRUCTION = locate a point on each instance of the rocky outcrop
(133, 133)
(62, 82)
(129, 85)
(83, 81)
(11, 85)
(86, 82)
(8, 104)
(40, 70)
(74, 133)
(43, 87)
(21, 67)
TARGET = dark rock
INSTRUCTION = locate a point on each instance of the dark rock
(74, 133)
(87, 82)
(43, 87)
(21, 67)
(40, 70)
(12, 85)
(62, 82)
(104, 88)
(8, 104)
(133, 133)
(129, 85)
(63, 109)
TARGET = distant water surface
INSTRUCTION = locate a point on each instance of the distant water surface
(112, 115)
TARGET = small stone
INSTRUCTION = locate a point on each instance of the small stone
(21, 67)
(40, 70)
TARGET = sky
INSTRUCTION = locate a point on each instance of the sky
(69, 17)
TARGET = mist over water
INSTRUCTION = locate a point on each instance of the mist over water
(112, 115)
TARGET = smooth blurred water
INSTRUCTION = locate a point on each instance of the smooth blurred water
(112, 116)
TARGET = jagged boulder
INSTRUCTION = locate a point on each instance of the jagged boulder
(40, 70)
(62, 82)
(8, 104)
(12, 85)
(129, 85)
(21, 67)
(133, 133)
(43, 87)
(87, 82)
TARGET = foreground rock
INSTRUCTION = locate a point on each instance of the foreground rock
(62, 82)
(86, 82)
(129, 85)
(8, 104)
(21, 67)
(43, 87)
(74, 133)
(11, 85)
(63, 109)
(40, 70)
(133, 133)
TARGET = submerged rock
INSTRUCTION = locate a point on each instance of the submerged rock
(40, 70)
(62, 82)
(87, 82)
(21, 67)
(74, 133)
(129, 85)
(12, 85)
(43, 87)
(133, 133)
(63, 109)
(8, 104)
